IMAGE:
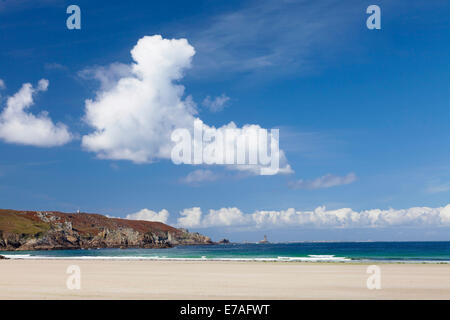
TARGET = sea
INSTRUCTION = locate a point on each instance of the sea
(345, 252)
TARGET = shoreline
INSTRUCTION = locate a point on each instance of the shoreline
(308, 260)
(219, 260)
(199, 280)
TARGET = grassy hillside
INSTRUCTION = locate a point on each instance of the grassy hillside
(28, 223)
(23, 223)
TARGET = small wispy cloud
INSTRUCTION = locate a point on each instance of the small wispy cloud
(55, 66)
(217, 104)
(107, 76)
(200, 175)
(17, 5)
(276, 36)
(438, 188)
(2, 86)
(326, 181)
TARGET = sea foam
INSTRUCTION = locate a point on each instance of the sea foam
(311, 258)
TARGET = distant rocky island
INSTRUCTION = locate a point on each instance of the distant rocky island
(39, 230)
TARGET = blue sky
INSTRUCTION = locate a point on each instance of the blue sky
(363, 114)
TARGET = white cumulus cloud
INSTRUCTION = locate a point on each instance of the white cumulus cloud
(190, 217)
(2, 84)
(134, 117)
(139, 106)
(445, 214)
(326, 181)
(149, 215)
(224, 217)
(22, 127)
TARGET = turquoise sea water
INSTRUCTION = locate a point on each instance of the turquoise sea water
(318, 251)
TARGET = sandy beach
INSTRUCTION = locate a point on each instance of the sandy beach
(46, 279)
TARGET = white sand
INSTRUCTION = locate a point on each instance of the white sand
(46, 279)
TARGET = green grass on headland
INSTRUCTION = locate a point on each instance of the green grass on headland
(18, 223)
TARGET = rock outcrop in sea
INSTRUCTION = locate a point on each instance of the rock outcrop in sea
(35, 230)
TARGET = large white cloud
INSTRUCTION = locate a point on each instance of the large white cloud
(22, 127)
(134, 117)
(149, 215)
(317, 218)
(138, 107)
(224, 217)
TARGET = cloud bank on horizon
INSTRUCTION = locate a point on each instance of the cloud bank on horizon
(317, 218)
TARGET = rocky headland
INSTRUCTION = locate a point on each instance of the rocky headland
(39, 230)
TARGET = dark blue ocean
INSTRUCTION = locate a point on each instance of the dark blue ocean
(305, 251)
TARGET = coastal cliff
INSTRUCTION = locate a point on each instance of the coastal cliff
(34, 230)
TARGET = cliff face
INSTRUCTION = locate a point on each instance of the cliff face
(30, 230)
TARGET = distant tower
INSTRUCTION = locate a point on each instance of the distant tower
(265, 240)
(78, 211)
